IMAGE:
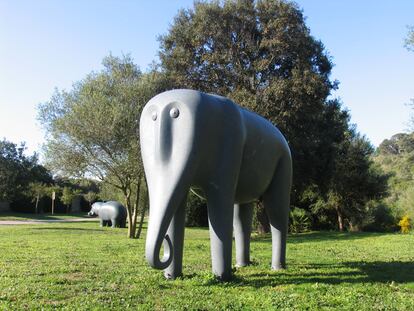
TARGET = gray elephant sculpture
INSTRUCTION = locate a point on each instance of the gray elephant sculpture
(230, 155)
(111, 213)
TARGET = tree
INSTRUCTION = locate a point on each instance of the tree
(261, 55)
(10, 170)
(92, 129)
(17, 171)
(406, 201)
(91, 197)
(396, 157)
(355, 182)
(398, 144)
(67, 197)
(409, 44)
(409, 40)
(37, 190)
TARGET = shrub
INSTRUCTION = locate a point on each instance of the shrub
(196, 211)
(299, 220)
(405, 224)
(380, 218)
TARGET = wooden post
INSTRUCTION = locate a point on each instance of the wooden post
(53, 201)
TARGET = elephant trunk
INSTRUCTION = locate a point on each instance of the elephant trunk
(164, 202)
(157, 228)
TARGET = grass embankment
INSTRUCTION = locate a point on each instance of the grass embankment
(81, 266)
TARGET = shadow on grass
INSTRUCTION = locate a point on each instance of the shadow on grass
(319, 237)
(66, 229)
(361, 272)
(32, 216)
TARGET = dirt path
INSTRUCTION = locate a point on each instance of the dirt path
(44, 221)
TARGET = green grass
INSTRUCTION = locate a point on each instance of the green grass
(27, 216)
(77, 266)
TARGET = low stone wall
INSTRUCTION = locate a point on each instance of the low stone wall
(4, 207)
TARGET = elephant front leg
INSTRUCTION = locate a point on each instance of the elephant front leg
(242, 223)
(176, 234)
(220, 217)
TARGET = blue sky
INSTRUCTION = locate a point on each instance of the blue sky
(48, 43)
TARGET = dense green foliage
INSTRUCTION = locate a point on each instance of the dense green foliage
(92, 129)
(258, 53)
(18, 172)
(196, 211)
(355, 182)
(409, 41)
(67, 197)
(261, 55)
(80, 266)
(396, 157)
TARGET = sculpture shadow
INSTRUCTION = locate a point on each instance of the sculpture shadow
(361, 272)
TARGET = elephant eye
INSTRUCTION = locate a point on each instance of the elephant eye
(154, 116)
(174, 113)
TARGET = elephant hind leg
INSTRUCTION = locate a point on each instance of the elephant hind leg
(123, 223)
(242, 224)
(276, 202)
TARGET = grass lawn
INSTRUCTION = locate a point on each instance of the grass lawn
(82, 266)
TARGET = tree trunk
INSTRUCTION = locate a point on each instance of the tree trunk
(136, 205)
(131, 227)
(141, 220)
(340, 219)
(132, 209)
(353, 227)
(135, 210)
(128, 207)
(37, 204)
(263, 225)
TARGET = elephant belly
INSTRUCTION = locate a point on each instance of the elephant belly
(108, 214)
(264, 145)
(253, 181)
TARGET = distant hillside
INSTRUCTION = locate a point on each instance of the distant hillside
(396, 157)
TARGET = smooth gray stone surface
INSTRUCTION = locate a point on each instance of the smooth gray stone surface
(231, 155)
(111, 213)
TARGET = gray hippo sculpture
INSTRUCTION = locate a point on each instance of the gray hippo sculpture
(111, 213)
(225, 153)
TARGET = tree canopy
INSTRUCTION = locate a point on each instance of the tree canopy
(396, 157)
(409, 40)
(258, 53)
(261, 55)
(92, 129)
(17, 171)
